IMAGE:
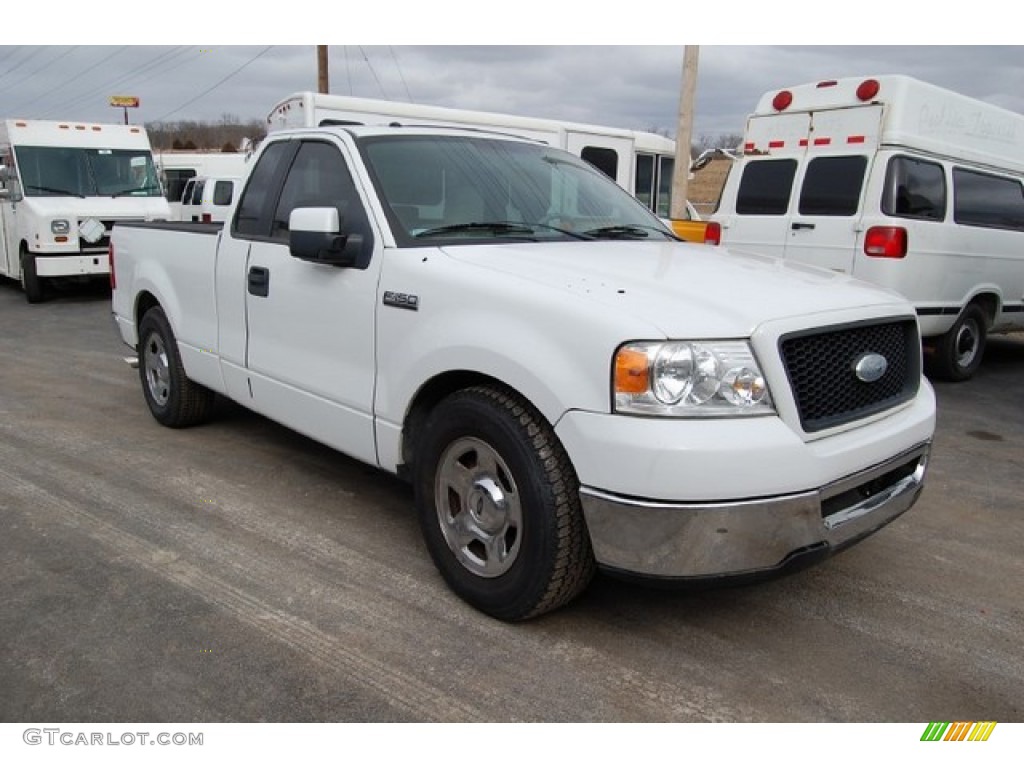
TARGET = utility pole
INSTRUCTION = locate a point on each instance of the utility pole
(684, 133)
(321, 66)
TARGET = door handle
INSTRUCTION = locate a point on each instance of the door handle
(801, 225)
(259, 281)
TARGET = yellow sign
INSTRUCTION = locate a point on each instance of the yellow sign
(124, 101)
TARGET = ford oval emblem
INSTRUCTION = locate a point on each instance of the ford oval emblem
(870, 367)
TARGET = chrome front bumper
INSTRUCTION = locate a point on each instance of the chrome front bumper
(739, 538)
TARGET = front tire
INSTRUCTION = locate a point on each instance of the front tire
(498, 502)
(33, 285)
(957, 354)
(173, 398)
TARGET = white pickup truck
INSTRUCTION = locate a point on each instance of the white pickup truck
(565, 384)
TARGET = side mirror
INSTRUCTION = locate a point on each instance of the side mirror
(315, 235)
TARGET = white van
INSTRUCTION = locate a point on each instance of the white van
(208, 198)
(177, 168)
(897, 182)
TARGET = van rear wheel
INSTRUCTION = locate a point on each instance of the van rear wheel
(957, 353)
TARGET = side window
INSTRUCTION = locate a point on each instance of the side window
(176, 179)
(604, 159)
(982, 200)
(914, 189)
(765, 187)
(832, 186)
(666, 167)
(643, 180)
(222, 192)
(260, 194)
(319, 178)
(197, 192)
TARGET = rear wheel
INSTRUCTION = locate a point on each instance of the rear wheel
(33, 285)
(957, 353)
(498, 501)
(173, 398)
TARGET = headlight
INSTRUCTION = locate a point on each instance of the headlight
(690, 378)
(60, 226)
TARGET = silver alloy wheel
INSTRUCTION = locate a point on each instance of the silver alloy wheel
(158, 371)
(968, 340)
(478, 507)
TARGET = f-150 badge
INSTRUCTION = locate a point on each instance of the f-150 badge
(401, 300)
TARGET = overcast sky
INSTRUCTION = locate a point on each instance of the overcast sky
(625, 86)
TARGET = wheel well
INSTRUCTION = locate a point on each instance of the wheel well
(989, 304)
(145, 302)
(429, 395)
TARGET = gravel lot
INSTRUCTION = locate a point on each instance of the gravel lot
(240, 572)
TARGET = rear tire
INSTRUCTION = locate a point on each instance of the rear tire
(498, 502)
(173, 398)
(33, 285)
(957, 354)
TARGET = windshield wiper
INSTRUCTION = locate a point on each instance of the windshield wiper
(494, 227)
(55, 190)
(619, 232)
(499, 228)
(130, 190)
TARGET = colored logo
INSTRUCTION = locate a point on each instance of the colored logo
(958, 731)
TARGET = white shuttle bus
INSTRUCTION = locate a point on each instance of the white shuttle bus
(638, 161)
(62, 187)
(897, 182)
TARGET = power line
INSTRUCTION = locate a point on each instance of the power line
(109, 85)
(82, 73)
(373, 72)
(213, 87)
(401, 76)
(32, 54)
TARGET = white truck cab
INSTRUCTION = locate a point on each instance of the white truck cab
(62, 186)
(897, 182)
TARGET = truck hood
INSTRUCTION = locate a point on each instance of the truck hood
(680, 288)
(99, 207)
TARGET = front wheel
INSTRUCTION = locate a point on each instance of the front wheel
(173, 398)
(33, 285)
(498, 501)
(957, 354)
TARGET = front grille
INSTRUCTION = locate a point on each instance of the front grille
(821, 365)
(101, 245)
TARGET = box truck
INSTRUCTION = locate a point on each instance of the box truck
(62, 186)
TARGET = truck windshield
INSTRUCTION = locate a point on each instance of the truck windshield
(445, 189)
(80, 172)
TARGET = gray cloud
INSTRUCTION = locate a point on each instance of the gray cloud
(626, 86)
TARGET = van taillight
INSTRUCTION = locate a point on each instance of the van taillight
(886, 242)
(110, 264)
(713, 233)
(207, 218)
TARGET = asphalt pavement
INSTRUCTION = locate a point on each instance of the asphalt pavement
(240, 572)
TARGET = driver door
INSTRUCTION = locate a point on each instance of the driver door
(310, 327)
